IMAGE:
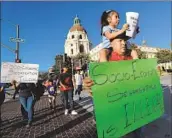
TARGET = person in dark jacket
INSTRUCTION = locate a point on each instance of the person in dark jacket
(2, 97)
(26, 98)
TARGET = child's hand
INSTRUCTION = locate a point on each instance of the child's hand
(125, 27)
(13, 82)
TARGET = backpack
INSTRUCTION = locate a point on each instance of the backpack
(39, 90)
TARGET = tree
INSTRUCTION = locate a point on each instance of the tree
(56, 70)
(83, 60)
(164, 56)
(84, 57)
(141, 54)
(43, 75)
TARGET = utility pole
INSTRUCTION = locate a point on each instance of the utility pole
(17, 40)
(17, 43)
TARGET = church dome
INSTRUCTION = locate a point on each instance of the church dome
(77, 28)
(77, 25)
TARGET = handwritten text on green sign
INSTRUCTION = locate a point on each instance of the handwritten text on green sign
(127, 95)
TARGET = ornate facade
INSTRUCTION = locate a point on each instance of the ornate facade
(77, 40)
(149, 51)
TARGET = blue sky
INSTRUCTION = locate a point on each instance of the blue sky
(44, 26)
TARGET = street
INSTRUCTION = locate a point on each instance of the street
(161, 128)
(54, 124)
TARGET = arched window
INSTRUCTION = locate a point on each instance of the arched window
(73, 36)
(81, 49)
(71, 51)
(80, 36)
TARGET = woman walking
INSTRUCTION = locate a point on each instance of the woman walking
(26, 98)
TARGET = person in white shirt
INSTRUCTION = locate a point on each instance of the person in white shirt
(78, 82)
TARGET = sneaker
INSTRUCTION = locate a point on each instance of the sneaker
(51, 107)
(66, 111)
(28, 124)
(74, 112)
(94, 121)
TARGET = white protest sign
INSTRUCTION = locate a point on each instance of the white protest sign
(24, 73)
(132, 20)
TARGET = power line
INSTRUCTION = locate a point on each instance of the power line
(12, 50)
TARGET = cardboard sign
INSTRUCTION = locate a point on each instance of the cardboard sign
(24, 73)
(126, 94)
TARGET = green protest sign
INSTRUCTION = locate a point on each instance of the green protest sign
(127, 95)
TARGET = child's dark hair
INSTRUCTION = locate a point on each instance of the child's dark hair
(50, 80)
(104, 17)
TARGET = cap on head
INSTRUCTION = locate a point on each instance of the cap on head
(122, 36)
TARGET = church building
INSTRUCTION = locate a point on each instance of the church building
(77, 40)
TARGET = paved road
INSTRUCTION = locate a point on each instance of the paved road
(161, 128)
(49, 124)
(166, 80)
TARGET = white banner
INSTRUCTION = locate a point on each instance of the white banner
(24, 73)
(132, 20)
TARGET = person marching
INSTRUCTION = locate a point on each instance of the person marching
(2, 97)
(66, 88)
(51, 93)
(26, 98)
(78, 82)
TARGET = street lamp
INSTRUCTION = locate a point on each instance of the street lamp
(17, 40)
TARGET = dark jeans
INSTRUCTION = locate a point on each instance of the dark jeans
(0, 113)
(27, 105)
(78, 89)
(68, 95)
(93, 110)
(24, 113)
(2, 98)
